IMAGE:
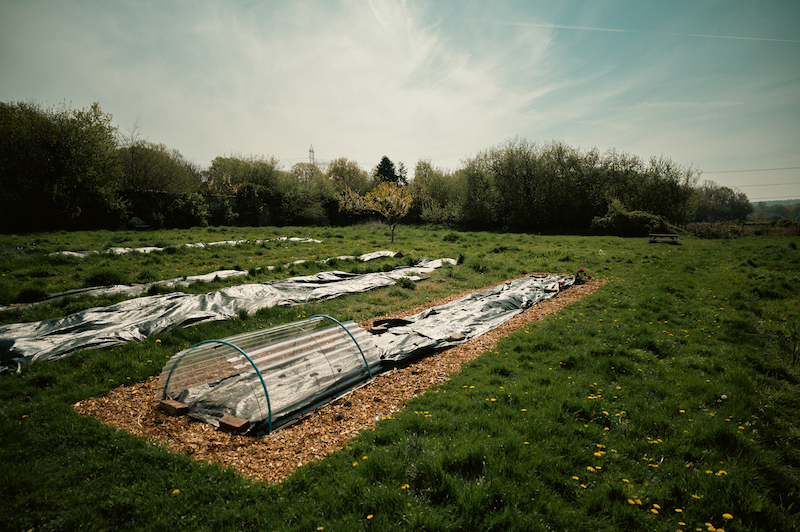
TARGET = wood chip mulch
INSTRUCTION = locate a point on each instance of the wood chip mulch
(274, 457)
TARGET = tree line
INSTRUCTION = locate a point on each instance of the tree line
(62, 168)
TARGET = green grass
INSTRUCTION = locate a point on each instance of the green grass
(675, 385)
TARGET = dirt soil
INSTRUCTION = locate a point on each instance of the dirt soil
(275, 456)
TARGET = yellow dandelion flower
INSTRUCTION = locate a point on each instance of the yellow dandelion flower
(631, 501)
(678, 510)
(369, 516)
(176, 491)
(656, 506)
(320, 528)
(639, 502)
(653, 510)
(721, 472)
(727, 516)
(695, 496)
(355, 464)
(574, 477)
(590, 468)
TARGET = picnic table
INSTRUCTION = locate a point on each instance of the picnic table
(672, 238)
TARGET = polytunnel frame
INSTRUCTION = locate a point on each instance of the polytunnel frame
(255, 367)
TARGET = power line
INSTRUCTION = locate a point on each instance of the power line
(768, 185)
(753, 170)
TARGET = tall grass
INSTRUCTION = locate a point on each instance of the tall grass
(665, 401)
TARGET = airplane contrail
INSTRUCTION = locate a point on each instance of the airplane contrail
(616, 30)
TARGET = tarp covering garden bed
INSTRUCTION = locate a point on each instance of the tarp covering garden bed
(136, 319)
(460, 320)
(269, 377)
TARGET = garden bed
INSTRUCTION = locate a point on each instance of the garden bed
(273, 457)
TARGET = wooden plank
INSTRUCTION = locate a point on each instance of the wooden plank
(233, 424)
(173, 408)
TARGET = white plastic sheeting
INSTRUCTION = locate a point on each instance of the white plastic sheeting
(139, 289)
(136, 319)
(465, 318)
(150, 249)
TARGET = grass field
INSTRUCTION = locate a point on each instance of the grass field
(668, 400)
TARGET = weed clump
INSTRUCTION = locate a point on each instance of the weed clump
(105, 276)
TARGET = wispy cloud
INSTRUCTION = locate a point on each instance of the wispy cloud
(619, 30)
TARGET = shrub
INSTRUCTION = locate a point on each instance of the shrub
(621, 222)
(189, 210)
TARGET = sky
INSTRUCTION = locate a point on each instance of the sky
(710, 84)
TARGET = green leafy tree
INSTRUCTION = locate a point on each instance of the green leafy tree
(149, 167)
(715, 203)
(257, 170)
(250, 204)
(437, 194)
(348, 175)
(385, 172)
(304, 196)
(188, 210)
(59, 168)
(391, 201)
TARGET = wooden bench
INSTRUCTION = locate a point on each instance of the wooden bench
(671, 237)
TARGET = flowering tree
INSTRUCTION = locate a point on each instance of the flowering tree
(391, 201)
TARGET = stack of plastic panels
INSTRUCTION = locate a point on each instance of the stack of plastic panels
(271, 376)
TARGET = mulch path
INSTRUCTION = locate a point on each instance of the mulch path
(275, 456)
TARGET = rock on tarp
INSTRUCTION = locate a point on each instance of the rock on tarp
(463, 319)
(136, 319)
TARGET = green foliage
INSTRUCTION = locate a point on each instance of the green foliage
(304, 197)
(105, 276)
(385, 172)
(621, 222)
(406, 283)
(348, 175)
(438, 194)
(714, 203)
(240, 169)
(221, 212)
(188, 210)
(58, 168)
(525, 186)
(150, 167)
(391, 201)
(772, 211)
(251, 204)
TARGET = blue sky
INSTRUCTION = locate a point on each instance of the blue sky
(713, 84)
